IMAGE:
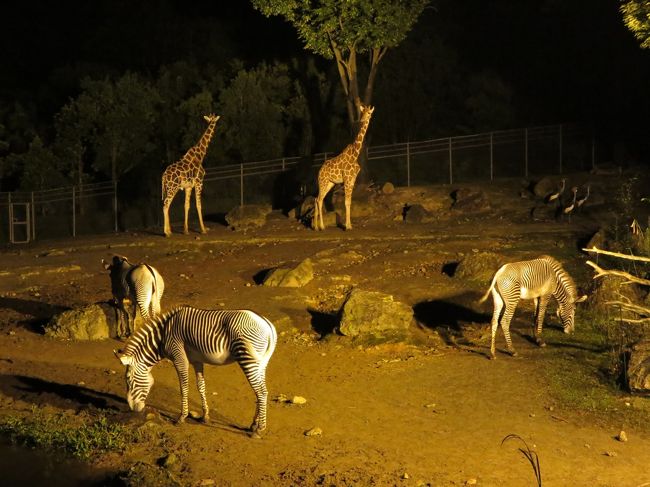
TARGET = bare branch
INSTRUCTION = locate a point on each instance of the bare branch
(616, 254)
(600, 272)
(640, 310)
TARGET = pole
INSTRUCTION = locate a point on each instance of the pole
(74, 214)
(11, 218)
(115, 205)
(241, 184)
(451, 170)
(33, 219)
(593, 152)
(283, 164)
(408, 165)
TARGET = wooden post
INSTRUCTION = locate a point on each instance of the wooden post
(491, 156)
(526, 152)
(115, 205)
(408, 165)
(241, 184)
(593, 152)
(560, 140)
(451, 170)
(74, 216)
(33, 218)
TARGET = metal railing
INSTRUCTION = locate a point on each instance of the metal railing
(449, 160)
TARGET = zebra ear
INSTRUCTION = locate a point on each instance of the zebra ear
(125, 359)
(106, 265)
(581, 299)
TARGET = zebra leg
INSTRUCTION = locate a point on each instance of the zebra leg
(505, 325)
(182, 365)
(256, 376)
(200, 385)
(540, 311)
(498, 306)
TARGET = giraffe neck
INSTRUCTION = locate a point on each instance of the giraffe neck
(358, 142)
(202, 145)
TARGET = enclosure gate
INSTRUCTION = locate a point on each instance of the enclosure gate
(19, 215)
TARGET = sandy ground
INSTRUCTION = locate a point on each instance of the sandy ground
(430, 412)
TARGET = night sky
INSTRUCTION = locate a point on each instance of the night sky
(564, 59)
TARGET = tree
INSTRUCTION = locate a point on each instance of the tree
(344, 30)
(636, 16)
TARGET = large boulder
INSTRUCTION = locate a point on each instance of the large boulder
(290, 277)
(417, 214)
(92, 322)
(638, 370)
(544, 186)
(248, 216)
(374, 315)
(479, 266)
(468, 199)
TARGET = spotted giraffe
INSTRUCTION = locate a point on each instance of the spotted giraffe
(187, 174)
(343, 168)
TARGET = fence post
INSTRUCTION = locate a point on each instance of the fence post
(283, 164)
(560, 140)
(408, 165)
(33, 218)
(241, 184)
(593, 152)
(115, 205)
(491, 156)
(526, 152)
(451, 170)
(11, 218)
(74, 214)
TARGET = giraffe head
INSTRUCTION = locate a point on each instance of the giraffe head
(212, 118)
(366, 111)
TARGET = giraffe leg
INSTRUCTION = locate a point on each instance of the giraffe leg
(323, 189)
(197, 197)
(188, 194)
(349, 186)
(540, 311)
(170, 193)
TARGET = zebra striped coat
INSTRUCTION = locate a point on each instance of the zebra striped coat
(194, 336)
(141, 284)
(538, 279)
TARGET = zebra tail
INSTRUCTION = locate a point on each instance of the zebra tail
(487, 293)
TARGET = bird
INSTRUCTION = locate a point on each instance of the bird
(568, 209)
(558, 193)
(581, 201)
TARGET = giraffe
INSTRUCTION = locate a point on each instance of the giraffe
(343, 168)
(185, 174)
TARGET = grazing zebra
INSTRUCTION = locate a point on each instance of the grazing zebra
(198, 336)
(141, 284)
(536, 279)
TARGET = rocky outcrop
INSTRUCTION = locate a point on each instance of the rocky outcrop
(479, 266)
(92, 322)
(638, 371)
(374, 315)
(467, 199)
(248, 216)
(290, 277)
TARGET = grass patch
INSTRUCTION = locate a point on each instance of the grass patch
(79, 436)
(583, 371)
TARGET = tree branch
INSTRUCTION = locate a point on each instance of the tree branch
(616, 254)
(640, 310)
(600, 272)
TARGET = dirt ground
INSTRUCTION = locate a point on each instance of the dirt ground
(433, 411)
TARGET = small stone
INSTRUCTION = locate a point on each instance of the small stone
(150, 416)
(610, 454)
(206, 482)
(248, 284)
(12, 333)
(195, 415)
(281, 398)
(405, 475)
(298, 400)
(315, 431)
(81, 383)
(471, 481)
(622, 436)
(430, 405)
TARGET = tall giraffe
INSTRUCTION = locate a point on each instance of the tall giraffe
(185, 174)
(343, 168)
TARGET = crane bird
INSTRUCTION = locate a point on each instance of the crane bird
(568, 209)
(581, 201)
(555, 196)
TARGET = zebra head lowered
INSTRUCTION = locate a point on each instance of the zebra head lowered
(139, 381)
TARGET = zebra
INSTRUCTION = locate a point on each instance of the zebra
(536, 279)
(198, 336)
(141, 284)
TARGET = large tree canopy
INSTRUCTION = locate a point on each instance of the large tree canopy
(341, 30)
(636, 16)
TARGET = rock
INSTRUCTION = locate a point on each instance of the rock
(92, 322)
(544, 186)
(612, 288)
(388, 188)
(622, 437)
(248, 216)
(598, 240)
(315, 431)
(467, 199)
(638, 369)
(150, 475)
(207, 482)
(287, 277)
(298, 400)
(170, 462)
(374, 314)
(479, 266)
(416, 214)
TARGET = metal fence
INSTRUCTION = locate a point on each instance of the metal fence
(97, 208)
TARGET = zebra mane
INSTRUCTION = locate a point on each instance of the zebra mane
(150, 335)
(563, 276)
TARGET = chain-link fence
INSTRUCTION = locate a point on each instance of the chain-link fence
(102, 208)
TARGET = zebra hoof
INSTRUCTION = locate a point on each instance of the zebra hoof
(492, 357)
(255, 434)
(541, 342)
(513, 353)
(180, 420)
